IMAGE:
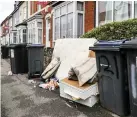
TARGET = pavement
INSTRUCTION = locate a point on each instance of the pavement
(21, 99)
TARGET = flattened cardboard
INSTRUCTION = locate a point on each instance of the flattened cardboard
(75, 83)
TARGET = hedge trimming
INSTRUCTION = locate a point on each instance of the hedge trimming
(114, 31)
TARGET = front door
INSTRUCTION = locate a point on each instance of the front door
(47, 32)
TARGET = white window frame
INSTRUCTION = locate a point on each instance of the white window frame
(132, 11)
(39, 7)
(75, 15)
(38, 32)
(34, 34)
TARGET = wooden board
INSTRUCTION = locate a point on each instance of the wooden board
(75, 83)
(91, 54)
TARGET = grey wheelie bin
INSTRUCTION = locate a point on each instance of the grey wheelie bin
(18, 58)
(130, 47)
(35, 60)
(112, 74)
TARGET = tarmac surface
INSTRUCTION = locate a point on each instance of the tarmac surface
(21, 99)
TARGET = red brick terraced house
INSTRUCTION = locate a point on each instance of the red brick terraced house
(39, 22)
(5, 31)
(47, 21)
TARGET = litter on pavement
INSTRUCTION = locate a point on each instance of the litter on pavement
(10, 73)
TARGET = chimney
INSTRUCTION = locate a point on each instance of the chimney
(15, 6)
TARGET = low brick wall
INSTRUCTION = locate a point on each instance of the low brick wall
(47, 56)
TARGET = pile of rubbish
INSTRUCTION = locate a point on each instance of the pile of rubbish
(73, 70)
(50, 82)
(50, 85)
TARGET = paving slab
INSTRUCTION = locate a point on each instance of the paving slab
(22, 99)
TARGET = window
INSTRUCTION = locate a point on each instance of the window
(57, 27)
(65, 20)
(109, 11)
(19, 33)
(104, 12)
(80, 24)
(40, 36)
(39, 24)
(24, 36)
(122, 10)
(63, 26)
(14, 37)
(135, 9)
(70, 25)
(29, 35)
(35, 32)
(80, 6)
(38, 7)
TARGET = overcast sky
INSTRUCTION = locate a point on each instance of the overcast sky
(6, 7)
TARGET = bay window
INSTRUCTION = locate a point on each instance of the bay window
(109, 11)
(69, 20)
(80, 24)
(104, 12)
(24, 35)
(39, 25)
(35, 31)
(39, 36)
(14, 37)
(122, 10)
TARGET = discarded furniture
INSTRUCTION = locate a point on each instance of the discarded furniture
(71, 51)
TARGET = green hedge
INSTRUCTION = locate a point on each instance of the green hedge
(114, 31)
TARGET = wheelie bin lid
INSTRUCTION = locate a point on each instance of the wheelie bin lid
(3, 46)
(35, 46)
(132, 44)
(108, 45)
(17, 45)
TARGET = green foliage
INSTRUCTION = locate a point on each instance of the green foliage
(114, 31)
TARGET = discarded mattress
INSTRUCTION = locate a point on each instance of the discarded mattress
(70, 51)
(86, 95)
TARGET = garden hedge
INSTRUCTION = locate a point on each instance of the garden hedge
(114, 31)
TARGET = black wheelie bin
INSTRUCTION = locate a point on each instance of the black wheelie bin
(35, 60)
(112, 74)
(130, 47)
(18, 58)
(5, 51)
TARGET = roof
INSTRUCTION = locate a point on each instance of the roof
(55, 3)
(4, 20)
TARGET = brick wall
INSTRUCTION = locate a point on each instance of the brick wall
(33, 7)
(44, 31)
(89, 15)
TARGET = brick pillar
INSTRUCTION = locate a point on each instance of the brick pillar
(89, 15)
(44, 31)
(35, 6)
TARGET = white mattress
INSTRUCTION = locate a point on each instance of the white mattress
(71, 51)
